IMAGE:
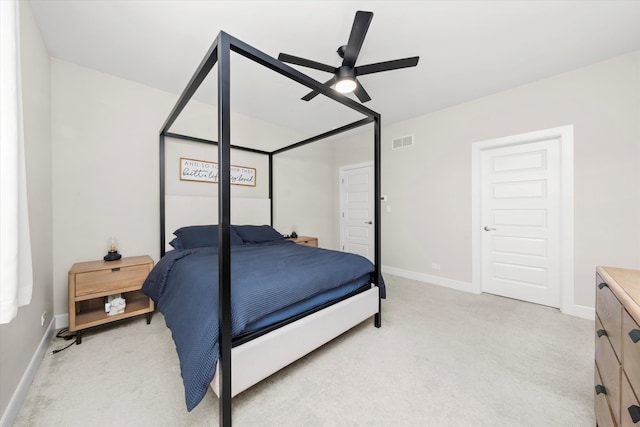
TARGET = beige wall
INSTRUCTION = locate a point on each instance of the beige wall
(105, 168)
(302, 189)
(429, 185)
(20, 338)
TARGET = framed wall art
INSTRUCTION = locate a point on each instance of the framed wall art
(204, 171)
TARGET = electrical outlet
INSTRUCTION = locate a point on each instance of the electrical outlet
(42, 318)
(435, 266)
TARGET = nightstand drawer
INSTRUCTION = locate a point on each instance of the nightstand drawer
(105, 281)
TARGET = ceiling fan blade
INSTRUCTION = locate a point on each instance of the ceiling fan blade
(356, 38)
(362, 94)
(387, 66)
(306, 63)
(314, 93)
(310, 96)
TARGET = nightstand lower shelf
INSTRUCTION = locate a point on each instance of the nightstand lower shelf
(137, 304)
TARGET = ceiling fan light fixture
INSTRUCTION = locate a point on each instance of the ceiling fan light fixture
(346, 85)
(345, 80)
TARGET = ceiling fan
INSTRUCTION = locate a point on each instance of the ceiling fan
(345, 76)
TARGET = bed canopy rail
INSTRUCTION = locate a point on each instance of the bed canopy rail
(219, 53)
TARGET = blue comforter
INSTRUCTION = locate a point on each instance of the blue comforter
(265, 278)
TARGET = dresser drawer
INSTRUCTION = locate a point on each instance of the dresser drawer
(630, 407)
(604, 418)
(609, 310)
(103, 281)
(602, 343)
(631, 350)
(609, 368)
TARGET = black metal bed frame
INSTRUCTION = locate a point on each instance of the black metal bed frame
(220, 53)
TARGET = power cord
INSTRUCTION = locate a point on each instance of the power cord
(66, 335)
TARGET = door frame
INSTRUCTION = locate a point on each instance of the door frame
(565, 136)
(343, 169)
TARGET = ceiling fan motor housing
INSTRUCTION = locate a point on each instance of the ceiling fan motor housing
(345, 72)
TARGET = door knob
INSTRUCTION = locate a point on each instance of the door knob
(487, 228)
(368, 222)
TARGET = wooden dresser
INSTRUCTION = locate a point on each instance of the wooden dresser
(617, 347)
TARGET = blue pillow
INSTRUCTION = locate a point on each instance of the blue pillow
(257, 233)
(176, 243)
(198, 236)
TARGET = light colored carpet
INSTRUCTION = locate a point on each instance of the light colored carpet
(441, 358)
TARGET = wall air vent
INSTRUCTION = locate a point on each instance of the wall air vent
(402, 142)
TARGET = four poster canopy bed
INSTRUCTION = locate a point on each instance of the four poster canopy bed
(241, 301)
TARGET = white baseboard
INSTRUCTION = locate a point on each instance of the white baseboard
(62, 321)
(428, 278)
(581, 311)
(571, 310)
(20, 394)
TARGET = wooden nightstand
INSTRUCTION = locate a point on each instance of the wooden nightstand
(90, 283)
(306, 241)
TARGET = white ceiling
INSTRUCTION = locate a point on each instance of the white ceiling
(467, 49)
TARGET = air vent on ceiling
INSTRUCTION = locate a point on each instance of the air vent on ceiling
(402, 142)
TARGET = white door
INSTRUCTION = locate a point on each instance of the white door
(520, 219)
(356, 211)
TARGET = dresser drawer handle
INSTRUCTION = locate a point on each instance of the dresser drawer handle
(602, 332)
(115, 269)
(602, 285)
(634, 411)
(600, 389)
(635, 335)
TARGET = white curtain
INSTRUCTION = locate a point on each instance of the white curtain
(16, 272)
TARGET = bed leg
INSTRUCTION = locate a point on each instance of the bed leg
(149, 318)
(377, 318)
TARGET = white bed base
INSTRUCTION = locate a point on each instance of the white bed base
(257, 359)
